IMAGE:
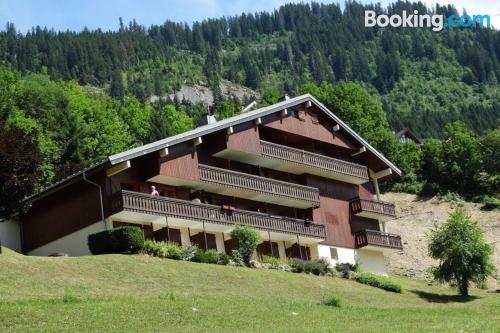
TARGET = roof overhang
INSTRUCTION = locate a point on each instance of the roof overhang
(306, 99)
(123, 159)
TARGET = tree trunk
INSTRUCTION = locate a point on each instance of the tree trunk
(463, 286)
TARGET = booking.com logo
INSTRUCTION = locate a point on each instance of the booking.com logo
(437, 22)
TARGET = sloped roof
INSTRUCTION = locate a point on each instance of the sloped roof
(241, 118)
(409, 134)
(207, 129)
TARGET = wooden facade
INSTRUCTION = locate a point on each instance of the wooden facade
(320, 168)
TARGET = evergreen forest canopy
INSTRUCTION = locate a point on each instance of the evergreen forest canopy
(425, 78)
(74, 98)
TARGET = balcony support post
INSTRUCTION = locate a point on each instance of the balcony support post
(377, 190)
(219, 243)
(300, 249)
(282, 251)
(270, 243)
(205, 235)
(185, 237)
(168, 229)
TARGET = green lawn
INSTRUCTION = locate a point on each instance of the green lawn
(118, 293)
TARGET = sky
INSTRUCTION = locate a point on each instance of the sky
(75, 15)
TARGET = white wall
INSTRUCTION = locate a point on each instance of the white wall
(74, 244)
(372, 261)
(10, 235)
(345, 255)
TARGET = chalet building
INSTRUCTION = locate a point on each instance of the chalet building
(293, 170)
(407, 135)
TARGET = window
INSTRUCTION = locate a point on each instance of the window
(333, 253)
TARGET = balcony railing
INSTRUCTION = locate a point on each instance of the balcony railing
(145, 203)
(377, 238)
(314, 160)
(362, 206)
(258, 184)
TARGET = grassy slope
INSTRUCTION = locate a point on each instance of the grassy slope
(137, 293)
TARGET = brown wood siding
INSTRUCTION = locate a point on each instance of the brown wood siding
(181, 162)
(310, 128)
(57, 215)
(247, 140)
(334, 211)
(132, 179)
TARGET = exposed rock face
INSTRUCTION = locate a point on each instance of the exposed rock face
(417, 216)
(200, 93)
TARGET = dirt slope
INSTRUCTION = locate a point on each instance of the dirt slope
(417, 216)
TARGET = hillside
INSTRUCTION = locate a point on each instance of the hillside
(424, 79)
(417, 216)
(117, 293)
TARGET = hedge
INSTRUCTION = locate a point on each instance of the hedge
(377, 281)
(117, 240)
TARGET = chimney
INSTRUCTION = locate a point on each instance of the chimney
(283, 98)
(208, 118)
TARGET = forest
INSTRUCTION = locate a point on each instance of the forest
(73, 98)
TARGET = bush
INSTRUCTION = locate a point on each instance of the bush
(316, 267)
(377, 281)
(489, 202)
(245, 242)
(237, 258)
(332, 301)
(162, 249)
(208, 257)
(224, 259)
(272, 262)
(117, 240)
(188, 252)
(346, 269)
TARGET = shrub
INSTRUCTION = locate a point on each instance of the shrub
(316, 267)
(377, 281)
(272, 262)
(237, 258)
(346, 269)
(210, 257)
(332, 301)
(245, 242)
(188, 252)
(491, 202)
(117, 240)
(162, 249)
(128, 239)
(100, 243)
(223, 259)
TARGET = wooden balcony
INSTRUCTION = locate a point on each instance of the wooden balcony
(369, 238)
(324, 165)
(373, 209)
(187, 210)
(297, 161)
(258, 188)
